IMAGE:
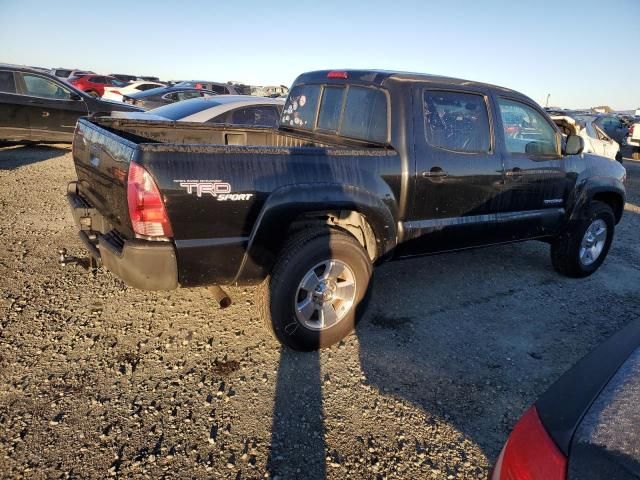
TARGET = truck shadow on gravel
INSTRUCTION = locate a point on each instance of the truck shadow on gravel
(471, 339)
(14, 156)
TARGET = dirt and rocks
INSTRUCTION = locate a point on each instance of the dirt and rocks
(98, 380)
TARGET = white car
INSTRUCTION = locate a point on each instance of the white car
(116, 93)
(633, 140)
(595, 139)
(229, 109)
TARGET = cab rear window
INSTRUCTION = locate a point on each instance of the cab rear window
(348, 111)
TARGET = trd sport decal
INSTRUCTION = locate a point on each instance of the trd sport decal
(215, 188)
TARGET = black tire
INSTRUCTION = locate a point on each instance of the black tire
(93, 94)
(277, 294)
(565, 251)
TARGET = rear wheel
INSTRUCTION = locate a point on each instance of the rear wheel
(317, 290)
(93, 94)
(581, 251)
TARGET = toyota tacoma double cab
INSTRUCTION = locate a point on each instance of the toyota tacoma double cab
(365, 166)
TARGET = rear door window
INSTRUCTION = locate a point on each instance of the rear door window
(456, 121)
(7, 82)
(262, 116)
(43, 87)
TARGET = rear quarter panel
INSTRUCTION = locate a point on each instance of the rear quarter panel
(212, 232)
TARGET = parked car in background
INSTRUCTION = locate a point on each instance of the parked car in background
(36, 106)
(612, 126)
(219, 88)
(65, 73)
(157, 97)
(272, 91)
(595, 139)
(116, 93)
(222, 109)
(123, 77)
(94, 85)
(585, 426)
(149, 79)
(633, 139)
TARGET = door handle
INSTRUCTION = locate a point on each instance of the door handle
(435, 172)
(45, 114)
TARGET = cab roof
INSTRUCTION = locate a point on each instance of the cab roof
(383, 77)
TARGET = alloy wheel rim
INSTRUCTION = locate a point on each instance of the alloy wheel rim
(593, 242)
(325, 295)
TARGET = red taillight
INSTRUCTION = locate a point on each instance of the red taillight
(530, 454)
(146, 208)
(337, 74)
(631, 130)
(116, 92)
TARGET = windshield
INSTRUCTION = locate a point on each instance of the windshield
(180, 110)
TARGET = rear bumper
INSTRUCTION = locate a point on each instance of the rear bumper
(140, 264)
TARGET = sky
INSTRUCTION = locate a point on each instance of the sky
(583, 53)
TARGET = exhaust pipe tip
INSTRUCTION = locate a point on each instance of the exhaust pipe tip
(220, 296)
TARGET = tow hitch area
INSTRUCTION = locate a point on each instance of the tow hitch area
(89, 263)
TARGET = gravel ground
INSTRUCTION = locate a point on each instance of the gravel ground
(99, 380)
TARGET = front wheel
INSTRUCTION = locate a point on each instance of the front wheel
(580, 251)
(317, 290)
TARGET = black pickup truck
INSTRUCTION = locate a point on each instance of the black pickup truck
(365, 166)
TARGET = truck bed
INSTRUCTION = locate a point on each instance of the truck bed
(181, 133)
(258, 166)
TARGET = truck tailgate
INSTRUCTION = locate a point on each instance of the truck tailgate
(102, 162)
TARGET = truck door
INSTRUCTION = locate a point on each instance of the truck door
(536, 185)
(458, 172)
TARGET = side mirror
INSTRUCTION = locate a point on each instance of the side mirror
(574, 145)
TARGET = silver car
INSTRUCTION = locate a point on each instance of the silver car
(229, 109)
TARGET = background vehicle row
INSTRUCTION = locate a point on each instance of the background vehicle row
(38, 107)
